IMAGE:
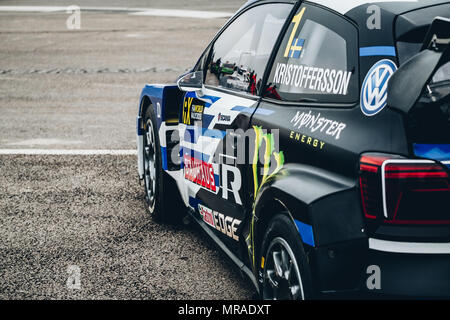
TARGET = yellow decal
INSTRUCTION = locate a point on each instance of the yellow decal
(296, 21)
(302, 138)
(197, 108)
(268, 139)
(187, 110)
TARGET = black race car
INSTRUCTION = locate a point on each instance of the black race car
(320, 163)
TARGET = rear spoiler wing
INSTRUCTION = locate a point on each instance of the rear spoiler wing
(408, 82)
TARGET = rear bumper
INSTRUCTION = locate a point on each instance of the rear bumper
(410, 269)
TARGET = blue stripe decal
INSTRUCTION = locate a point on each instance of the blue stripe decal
(213, 133)
(195, 154)
(164, 158)
(181, 158)
(306, 232)
(213, 100)
(439, 152)
(216, 180)
(192, 133)
(193, 202)
(206, 120)
(377, 51)
(261, 111)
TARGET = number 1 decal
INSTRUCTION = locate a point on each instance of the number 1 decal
(296, 21)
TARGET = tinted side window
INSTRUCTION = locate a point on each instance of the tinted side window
(239, 56)
(317, 59)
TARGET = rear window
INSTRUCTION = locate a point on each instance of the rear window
(442, 75)
(317, 60)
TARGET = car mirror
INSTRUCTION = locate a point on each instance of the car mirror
(192, 81)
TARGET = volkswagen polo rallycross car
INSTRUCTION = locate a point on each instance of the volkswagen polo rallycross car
(311, 143)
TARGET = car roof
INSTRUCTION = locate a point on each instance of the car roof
(396, 7)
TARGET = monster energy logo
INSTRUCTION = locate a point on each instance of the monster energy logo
(264, 142)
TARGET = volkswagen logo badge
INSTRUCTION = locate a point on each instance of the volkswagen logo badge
(374, 88)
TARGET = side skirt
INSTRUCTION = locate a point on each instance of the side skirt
(246, 270)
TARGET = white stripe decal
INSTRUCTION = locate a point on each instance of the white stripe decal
(409, 247)
(383, 179)
(66, 152)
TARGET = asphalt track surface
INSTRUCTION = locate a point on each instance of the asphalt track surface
(79, 90)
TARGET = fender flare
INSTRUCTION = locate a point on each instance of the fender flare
(324, 206)
(164, 98)
(326, 209)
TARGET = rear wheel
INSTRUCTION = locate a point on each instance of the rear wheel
(284, 268)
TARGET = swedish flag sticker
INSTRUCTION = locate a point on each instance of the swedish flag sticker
(296, 48)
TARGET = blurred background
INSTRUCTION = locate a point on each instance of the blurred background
(80, 87)
(71, 83)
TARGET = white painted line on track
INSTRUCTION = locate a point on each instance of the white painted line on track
(32, 8)
(63, 152)
(132, 11)
(183, 13)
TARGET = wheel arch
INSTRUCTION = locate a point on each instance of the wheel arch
(326, 210)
(311, 196)
(273, 201)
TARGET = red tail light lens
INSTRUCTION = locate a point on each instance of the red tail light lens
(370, 185)
(403, 191)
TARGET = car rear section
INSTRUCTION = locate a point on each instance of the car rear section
(405, 198)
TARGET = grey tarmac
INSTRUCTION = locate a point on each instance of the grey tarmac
(79, 89)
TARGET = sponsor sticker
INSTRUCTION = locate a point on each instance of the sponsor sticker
(223, 118)
(207, 215)
(314, 122)
(311, 78)
(192, 110)
(226, 225)
(307, 140)
(374, 88)
(296, 48)
(199, 172)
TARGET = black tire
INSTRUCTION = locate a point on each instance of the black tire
(289, 277)
(158, 187)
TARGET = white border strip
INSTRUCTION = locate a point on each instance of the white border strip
(409, 247)
(383, 178)
(62, 152)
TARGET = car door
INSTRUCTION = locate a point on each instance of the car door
(312, 92)
(233, 71)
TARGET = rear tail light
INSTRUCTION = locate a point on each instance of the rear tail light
(404, 191)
